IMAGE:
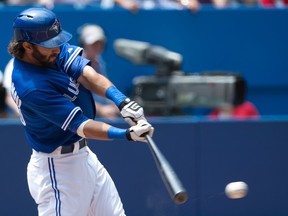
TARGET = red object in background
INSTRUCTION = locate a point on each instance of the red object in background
(243, 111)
(272, 3)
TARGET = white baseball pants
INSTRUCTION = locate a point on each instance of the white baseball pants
(73, 184)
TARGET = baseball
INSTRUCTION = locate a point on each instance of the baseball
(236, 190)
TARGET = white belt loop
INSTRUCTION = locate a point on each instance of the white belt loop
(57, 150)
(76, 147)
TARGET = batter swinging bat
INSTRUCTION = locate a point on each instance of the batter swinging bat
(173, 184)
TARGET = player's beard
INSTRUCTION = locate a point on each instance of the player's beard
(44, 60)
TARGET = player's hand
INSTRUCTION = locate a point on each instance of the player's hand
(131, 111)
(137, 132)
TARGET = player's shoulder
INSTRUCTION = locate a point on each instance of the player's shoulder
(68, 53)
(27, 78)
(68, 49)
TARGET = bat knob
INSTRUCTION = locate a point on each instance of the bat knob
(181, 197)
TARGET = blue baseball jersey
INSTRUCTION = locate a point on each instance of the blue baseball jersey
(51, 102)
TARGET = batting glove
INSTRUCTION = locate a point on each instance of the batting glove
(131, 111)
(137, 132)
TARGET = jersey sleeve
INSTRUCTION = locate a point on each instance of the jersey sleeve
(70, 60)
(54, 108)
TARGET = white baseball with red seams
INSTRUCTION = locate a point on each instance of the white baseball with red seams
(236, 190)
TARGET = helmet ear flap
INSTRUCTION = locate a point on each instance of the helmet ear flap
(23, 36)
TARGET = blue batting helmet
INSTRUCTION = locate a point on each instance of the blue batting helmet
(41, 27)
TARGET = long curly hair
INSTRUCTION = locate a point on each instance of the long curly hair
(16, 49)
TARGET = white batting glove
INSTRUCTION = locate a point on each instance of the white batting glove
(137, 132)
(131, 111)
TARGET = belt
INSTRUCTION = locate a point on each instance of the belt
(70, 148)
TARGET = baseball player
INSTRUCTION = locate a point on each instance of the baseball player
(51, 85)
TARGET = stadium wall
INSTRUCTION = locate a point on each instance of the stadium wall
(206, 155)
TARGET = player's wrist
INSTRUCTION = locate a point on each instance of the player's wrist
(115, 95)
(128, 135)
(117, 133)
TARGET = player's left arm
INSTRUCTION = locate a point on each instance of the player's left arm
(130, 110)
(77, 67)
(94, 81)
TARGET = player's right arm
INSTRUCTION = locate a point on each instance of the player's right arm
(99, 130)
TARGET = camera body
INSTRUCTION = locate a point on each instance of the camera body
(171, 90)
(169, 95)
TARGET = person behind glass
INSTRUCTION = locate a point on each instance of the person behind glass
(239, 109)
(103, 4)
(52, 85)
(45, 3)
(135, 5)
(273, 3)
(93, 40)
(192, 5)
(245, 110)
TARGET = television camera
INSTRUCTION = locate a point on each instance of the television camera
(171, 90)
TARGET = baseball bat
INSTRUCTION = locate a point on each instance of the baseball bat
(173, 184)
